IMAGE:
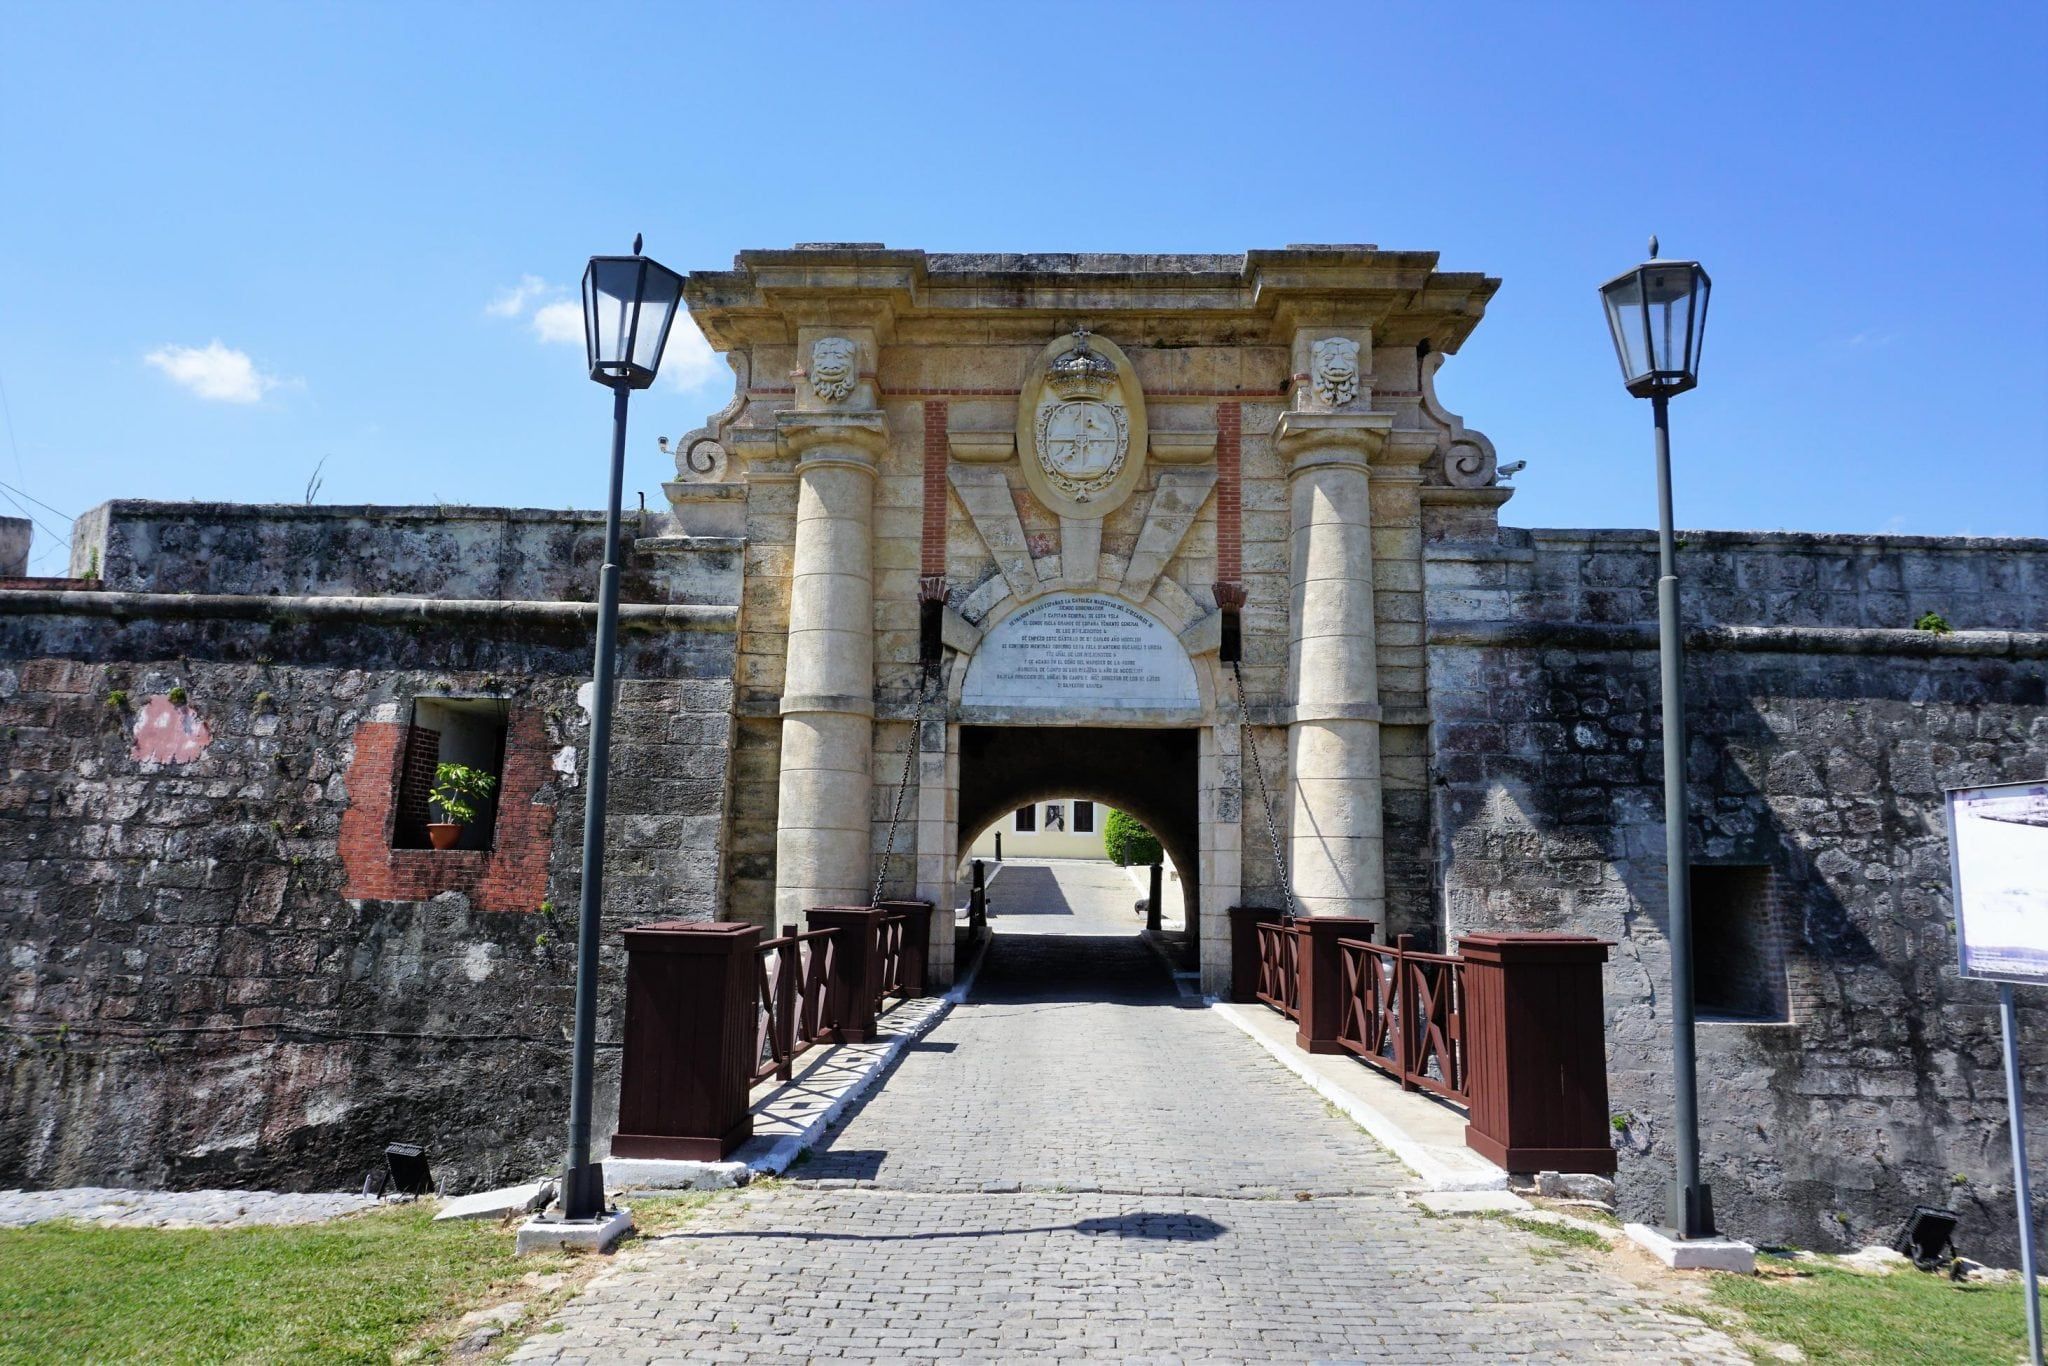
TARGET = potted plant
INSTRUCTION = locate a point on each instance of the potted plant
(457, 790)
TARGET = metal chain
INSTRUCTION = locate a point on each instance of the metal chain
(926, 677)
(1251, 750)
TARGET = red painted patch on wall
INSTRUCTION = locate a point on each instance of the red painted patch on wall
(510, 876)
(169, 732)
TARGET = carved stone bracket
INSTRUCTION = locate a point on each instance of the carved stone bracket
(1468, 457)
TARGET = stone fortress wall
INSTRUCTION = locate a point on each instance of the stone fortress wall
(1822, 730)
(219, 971)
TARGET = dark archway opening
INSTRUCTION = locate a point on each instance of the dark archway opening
(1150, 773)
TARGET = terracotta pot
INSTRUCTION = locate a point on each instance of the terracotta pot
(443, 836)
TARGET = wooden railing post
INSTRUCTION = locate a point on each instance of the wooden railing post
(692, 1027)
(1538, 1048)
(1244, 949)
(917, 943)
(856, 968)
(1401, 989)
(789, 992)
(1319, 993)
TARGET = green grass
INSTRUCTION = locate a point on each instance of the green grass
(1908, 1316)
(353, 1289)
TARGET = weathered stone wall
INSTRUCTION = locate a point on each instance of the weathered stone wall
(201, 989)
(331, 550)
(1818, 751)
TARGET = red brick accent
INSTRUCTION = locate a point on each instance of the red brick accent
(513, 876)
(1229, 493)
(936, 452)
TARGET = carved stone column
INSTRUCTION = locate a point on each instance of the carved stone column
(1333, 734)
(823, 839)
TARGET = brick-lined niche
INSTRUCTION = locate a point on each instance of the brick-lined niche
(456, 730)
(508, 868)
(1738, 949)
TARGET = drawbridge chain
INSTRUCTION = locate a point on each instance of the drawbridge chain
(927, 677)
(1251, 752)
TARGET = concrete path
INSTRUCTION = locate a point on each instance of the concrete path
(1075, 1163)
(1064, 896)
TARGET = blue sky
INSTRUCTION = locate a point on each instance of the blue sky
(238, 241)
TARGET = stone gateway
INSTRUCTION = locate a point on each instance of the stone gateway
(234, 961)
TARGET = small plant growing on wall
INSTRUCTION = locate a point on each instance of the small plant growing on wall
(1128, 842)
(178, 697)
(457, 791)
(1934, 623)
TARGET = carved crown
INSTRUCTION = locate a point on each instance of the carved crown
(1082, 371)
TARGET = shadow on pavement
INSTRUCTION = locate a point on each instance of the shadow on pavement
(1152, 1225)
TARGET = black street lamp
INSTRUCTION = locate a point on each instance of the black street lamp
(1658, 315)
(629, 304)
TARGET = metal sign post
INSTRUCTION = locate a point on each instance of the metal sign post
(2015, 1106)
(1998, 869)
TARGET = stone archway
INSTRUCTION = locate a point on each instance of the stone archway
(1152, 773)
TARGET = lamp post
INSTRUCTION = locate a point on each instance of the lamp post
(629, 303)
(1658, 315)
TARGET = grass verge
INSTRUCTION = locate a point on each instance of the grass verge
(1840, 1316)
(353, 1289)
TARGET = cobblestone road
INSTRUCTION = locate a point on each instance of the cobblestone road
(1075, 1163)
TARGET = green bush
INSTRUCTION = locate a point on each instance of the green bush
(1126, 841)
(457, 790)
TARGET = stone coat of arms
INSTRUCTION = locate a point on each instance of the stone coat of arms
(1081, 433)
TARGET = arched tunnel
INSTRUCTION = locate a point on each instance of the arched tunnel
(1152, 774)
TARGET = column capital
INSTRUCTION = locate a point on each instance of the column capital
(855, 439)
(1312, 440)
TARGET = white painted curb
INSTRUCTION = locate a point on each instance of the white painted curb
(1440, 1170)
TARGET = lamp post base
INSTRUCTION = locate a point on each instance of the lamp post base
(551, 1233)
(1693, 1254)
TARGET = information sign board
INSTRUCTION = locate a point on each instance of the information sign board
(1998, 857)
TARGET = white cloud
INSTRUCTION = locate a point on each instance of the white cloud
(689, 362)
(560, 321)
(214, 372)
(513, 300)
(556, 316)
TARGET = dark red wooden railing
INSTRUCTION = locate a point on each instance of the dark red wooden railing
(1511, 1027)
(1404, 1013)
(793, 979)
(1279, 983)
(712, 1011)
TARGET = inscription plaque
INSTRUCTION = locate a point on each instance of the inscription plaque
(1081, 653)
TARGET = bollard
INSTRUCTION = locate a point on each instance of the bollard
(1244, 949)
(856, 968)
(1319, 980)
(1536, 1031)
(917, 943)
(691, 1021)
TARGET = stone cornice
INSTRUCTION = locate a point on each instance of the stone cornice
(285, 610)
(1400, 295)
(1813, 640)
(1308, 440)
(814, 436)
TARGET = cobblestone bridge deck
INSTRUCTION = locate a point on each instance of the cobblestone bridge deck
(1079, 1163)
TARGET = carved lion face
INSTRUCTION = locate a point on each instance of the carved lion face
(834, 367)
(1333, 369)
